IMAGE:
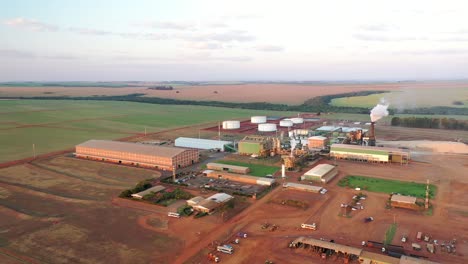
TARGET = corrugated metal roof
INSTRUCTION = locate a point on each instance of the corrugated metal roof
(220, 197)
(403, 199)
(200, 143)
(320, 170)
(368, 148)
(196, 200)
(329, 245)
(302, 186)
(327, 128)
(155, 189)
(208, 204)
(129, 147)
(212, 165)
(242, 176)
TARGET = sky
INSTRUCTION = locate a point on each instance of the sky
(212, 40)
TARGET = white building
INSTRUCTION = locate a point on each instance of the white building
(200, 143)
(154, 189)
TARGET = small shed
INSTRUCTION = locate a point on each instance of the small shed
(154, 189)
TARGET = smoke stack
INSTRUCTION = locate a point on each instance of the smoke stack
(372, 134)
(283, 171)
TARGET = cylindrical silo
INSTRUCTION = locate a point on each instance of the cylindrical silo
(266, 127)
(297, 120)
(286, 123)
(258, 119)
(231, 124)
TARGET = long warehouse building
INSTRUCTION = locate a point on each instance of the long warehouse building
(148, 156)
(201, 143)
(369, 154)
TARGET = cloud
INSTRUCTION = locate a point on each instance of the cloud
(380, 37)
(216, 25)
(228, 36)
(205, 45)
(269, 48)
(378, 27)
(17, 54)
(435, 52)
(169, 25)
(30, 24)
(90, 31)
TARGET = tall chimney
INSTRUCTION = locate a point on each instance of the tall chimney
(372, 134)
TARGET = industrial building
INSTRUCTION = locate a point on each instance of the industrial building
(317, 142)
(200, 143)
(239, 177)
(258, 145)
(403, 201)
(154, 189)
(228, 168)
(149, 156)
(351, 253)
(302, 187)
(369, 154)
(209, 204)
(321, 173)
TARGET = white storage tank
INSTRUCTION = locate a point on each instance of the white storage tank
(297, 120)
(258, 119)
(286, 123)
(232, 124)
(266, 127)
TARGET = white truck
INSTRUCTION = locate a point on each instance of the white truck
(312, 226)
(228, 249)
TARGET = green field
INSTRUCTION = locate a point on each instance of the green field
(255, 169)
(409, 98)
(391, 231)
(55, 125)
(387, 186)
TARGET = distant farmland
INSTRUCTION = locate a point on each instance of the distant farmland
(56, 125)
(293, 94)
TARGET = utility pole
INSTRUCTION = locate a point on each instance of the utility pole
(34, 150)
(145, 131)
(174, 173)
(219, 130)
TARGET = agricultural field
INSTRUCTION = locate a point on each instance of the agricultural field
(387, 186)
(410, 98)
(258, 170)
(56, 125)
(63, 212)
(284, 93)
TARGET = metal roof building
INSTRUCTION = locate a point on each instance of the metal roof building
(328, 245)
(220, 197)
(239, 177)
(302, 187)
(154, 189)
(227, 167)
(403, 199)
(200, 143)
(369, 153)
(135, 154)
(321, 172)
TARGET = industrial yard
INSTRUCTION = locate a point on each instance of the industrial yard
(247, 168)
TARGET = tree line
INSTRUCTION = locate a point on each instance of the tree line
(428, 122)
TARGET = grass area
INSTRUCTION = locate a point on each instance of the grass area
(59, 124)
(255, 169)
(406, 98)
(387, 186)
(391, 231)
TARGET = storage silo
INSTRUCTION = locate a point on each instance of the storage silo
(297, 120)
(266, 127)
(258, 119)
(231, 124)
(286, 123)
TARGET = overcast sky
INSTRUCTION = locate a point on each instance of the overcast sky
(233, 40)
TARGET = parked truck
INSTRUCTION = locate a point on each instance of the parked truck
(419, 236)
(228, 249)
(416, 246)
(312, 226)
(430, 248)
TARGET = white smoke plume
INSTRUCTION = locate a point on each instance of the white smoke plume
(379, 111)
